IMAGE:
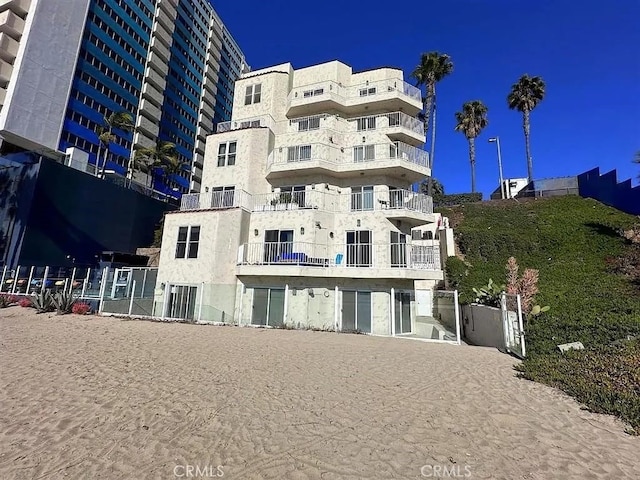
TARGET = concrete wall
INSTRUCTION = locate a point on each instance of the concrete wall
(36, 101)
(482, 325)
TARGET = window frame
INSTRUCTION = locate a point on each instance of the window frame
(253, 94)
(188, 242)
(227, 158)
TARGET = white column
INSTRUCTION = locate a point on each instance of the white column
(133, 294)
(103, 288)
(44, 278)
(4, 274)
(15, 280)
(29, 281)
(336, 317)
(393, 312)
(286, 304)
(456, 307)
(73, 277)
(201, 301)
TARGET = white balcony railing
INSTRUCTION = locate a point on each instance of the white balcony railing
(355, 255)
(216, 200)
(387, 120)
(369, 91)
(360, 154)
(256, 122)
(368, 199)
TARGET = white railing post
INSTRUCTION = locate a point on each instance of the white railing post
(286, 304)
(336, 307)
(521, 327)
(103, 288)
(44, 279)
(393, 312)
(73, 278)
(456, 307)
(133, 294)
(29, 281)
(84, 283)
(201, 302)
(4, 274)
(15, 280)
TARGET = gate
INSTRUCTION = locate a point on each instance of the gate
(512, 325)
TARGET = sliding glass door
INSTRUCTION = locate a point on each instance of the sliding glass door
(268, 306)
(356, 311)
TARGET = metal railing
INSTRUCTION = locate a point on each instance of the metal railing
(254, 122)
(387, 120)
(295, 200)
(216, 200)
(359, 154)
(391, 199)
(355, 255)
(367, 90)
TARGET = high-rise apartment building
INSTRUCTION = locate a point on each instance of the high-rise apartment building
(65, 66)
(306, 216)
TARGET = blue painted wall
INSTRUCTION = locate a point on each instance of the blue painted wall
(606, 189)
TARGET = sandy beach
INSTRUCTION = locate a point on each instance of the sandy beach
(90, 397)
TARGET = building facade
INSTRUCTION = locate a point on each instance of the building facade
(159, 60)
(306, 216)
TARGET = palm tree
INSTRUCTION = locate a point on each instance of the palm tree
(117, 120)
(471, 121)
(161, 154)
(525, 95)
(172, 166)
(433, 67)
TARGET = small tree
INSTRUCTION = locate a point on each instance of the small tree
(116, 121)
(525, 286)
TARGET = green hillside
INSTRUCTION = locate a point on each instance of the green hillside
(575, 244)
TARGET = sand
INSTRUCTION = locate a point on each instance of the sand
(89, 397)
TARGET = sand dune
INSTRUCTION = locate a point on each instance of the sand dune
(88, 397)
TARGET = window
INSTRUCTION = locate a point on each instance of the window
(394, 119)
(279, 246)
(223, 197)
(295, 194)
(310, 123)
(356, 311)
(299, 153)
(398, 249)
(188, 240)
(359, 248)
(367, 91)
(268, 306)
(361, 198)
(312, 93)
(253, 94)
(364, 153)
(366, 123)
(227, 154)
(182, 302)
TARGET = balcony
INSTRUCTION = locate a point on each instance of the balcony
(160, 48)
(217, 200)
(5, 72)
(8, 48)
(355, 260)
(397, 126)
(19, 7)
(157, 80)
(388, 94)
(11, 24)
(395, 159)
(257, 122)
(396, 204)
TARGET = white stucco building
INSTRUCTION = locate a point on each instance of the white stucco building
(306, 215)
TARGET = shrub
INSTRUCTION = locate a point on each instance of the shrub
(81, 308)
(489, 295)
(455, 270)
(4, 301)
(458, 199)
(43, 302)
(25, 302)
(63, 302)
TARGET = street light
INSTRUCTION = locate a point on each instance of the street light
(496, 140)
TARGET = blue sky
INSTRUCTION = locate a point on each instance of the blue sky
(587, 51)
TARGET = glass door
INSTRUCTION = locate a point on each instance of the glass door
(359, 248)
(402, 306)
(398, 249)
(356, 311)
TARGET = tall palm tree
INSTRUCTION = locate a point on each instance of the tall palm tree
(117, 120)
(433, 67)
(471, 121)
(172, 166)
(525, 95)
(161, 154)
